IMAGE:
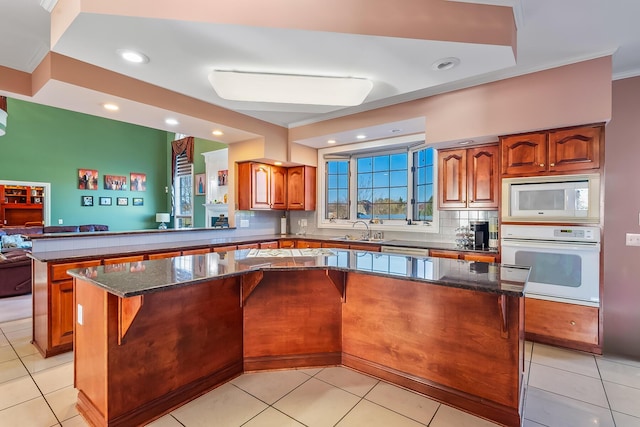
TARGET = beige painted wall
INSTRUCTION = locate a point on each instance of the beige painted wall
(571, 95)
(621, 208)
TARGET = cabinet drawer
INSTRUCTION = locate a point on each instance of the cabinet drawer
(249, 246)
(304, 244)
(164, 255)
(479, 257)
(287, 244)
(269, 245)
(444, 254)
(224, 248)
(562, 321)
(200, 251)
(120, 260)
(59, 271)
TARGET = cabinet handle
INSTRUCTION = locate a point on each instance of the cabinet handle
(573, 323)
(552, 164)
(541, 165)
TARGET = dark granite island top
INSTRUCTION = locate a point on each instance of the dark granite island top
(142, 277)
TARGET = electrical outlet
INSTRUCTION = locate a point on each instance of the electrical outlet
(633, 239)
(303, 222)
(60, 221)
(79, 315)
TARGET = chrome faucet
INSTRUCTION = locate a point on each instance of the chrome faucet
(368, 234)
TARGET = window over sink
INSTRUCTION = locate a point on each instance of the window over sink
(390, 183)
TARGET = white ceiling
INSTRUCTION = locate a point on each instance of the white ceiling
(550, 33)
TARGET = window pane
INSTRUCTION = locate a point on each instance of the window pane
(398, 194)
(398, 161)
(364, 209)
(365, 164)
(337, 189)
(365, 180)
(381, 195)
(423, 185)
(381, 179)
(380, 163)
(398, 178)
(343, 196)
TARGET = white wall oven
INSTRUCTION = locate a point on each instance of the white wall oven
(564, 261)
(562, 198)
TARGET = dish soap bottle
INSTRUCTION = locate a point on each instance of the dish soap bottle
(283, 225)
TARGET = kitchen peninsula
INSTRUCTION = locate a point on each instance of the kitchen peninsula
(152, 335)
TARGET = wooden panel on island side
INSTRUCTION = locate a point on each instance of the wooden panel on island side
(304, 330)
(476, 364)
(170, 353)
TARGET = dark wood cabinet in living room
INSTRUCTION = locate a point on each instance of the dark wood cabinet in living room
(20, 204)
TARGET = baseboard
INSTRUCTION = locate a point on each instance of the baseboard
(492, 411)
(292, 361)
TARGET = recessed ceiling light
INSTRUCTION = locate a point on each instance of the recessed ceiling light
(171, 122)
(331, 141)
(133, 56)
(361, 136)
(111, 107)
(217, 132)
(277, 163)
(444, 64)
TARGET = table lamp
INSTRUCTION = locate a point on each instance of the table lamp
(162, 218)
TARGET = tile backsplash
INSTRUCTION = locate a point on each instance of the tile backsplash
(451, 220)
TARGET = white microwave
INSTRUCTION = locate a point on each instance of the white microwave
(560, 198)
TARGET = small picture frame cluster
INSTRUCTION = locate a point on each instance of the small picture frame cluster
(88, 180)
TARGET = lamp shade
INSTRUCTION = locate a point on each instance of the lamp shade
(163, 217)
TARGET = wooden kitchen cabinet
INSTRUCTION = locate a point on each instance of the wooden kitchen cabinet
(287, 244)
(21, 204)
(562, 150)
(262, 187)
(478, 257)
(301, 188)
(468, 178)
(53, 308)
(568, 325)
(444, 254)
(278, 188)
(304, 244)
(268, 245)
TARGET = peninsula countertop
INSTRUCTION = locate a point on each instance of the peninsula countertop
(142, 277)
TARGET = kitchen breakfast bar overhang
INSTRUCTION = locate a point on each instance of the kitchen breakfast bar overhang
(153, 335)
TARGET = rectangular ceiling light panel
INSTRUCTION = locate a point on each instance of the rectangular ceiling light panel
(290, 89)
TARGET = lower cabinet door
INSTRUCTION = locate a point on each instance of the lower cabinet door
(561, 321)
(61, 313)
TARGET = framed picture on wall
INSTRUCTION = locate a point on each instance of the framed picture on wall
(87, 179)
(115, 182)
(105, 201)
(122, 201)
(201, 184)
(86, 201)
(222, 176)
(138, 181)
(137, 201)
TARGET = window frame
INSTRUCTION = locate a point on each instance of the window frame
(182, 169)
(407, 143)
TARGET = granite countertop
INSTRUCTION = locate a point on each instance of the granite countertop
(117, 251)
(138, 278)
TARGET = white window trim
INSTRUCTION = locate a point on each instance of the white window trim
(362, 149)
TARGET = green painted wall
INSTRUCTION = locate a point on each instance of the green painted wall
(49, 145)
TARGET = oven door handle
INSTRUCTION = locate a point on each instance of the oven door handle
(573, 246)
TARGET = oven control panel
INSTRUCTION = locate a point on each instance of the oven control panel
(581, 234)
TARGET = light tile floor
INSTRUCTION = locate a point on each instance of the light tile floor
(565, 389)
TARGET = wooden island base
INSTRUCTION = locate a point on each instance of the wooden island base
(138, 358)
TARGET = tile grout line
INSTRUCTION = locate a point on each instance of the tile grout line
(32, 379)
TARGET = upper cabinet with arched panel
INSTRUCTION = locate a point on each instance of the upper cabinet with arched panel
(562, 150)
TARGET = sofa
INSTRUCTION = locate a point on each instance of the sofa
(15, 265)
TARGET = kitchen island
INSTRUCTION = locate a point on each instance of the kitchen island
(152, 335)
